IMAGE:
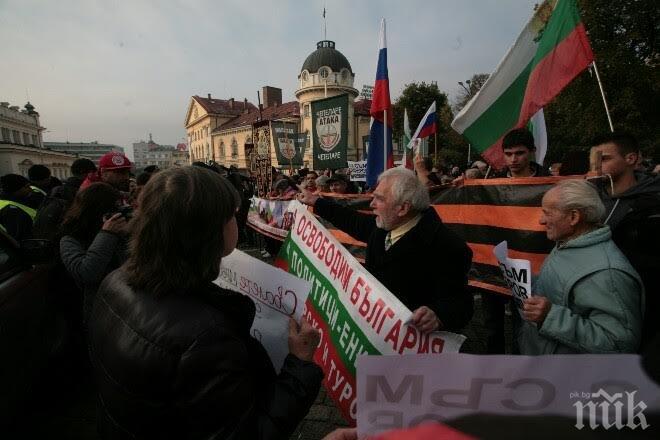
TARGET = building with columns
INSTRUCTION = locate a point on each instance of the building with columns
(218, 130)
(21, 143)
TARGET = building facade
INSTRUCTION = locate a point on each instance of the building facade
(90, 150)
(21, 144)
(162, 156)
(205, 115)
(325, 73)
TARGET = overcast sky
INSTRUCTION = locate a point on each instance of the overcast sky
(115, 71)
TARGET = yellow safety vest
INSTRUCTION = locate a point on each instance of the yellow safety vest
(38, 190)
(29, 211)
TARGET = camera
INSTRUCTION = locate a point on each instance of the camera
(125, 211)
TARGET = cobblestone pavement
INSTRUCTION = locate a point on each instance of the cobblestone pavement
(68, 410)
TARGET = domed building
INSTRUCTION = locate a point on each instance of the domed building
(218, 130)
(325, 73)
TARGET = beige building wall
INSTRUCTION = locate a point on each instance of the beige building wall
(199, 126)
(229, 146)
(17, 159)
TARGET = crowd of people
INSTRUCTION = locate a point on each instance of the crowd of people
(171, 352)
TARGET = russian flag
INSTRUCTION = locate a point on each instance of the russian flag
(380, 135)
(427, 126)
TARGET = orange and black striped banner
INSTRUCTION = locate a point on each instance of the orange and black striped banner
(484, 212)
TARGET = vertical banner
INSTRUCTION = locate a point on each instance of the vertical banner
(353, 311)
(287, 143)
(262, 161)
(330, 132)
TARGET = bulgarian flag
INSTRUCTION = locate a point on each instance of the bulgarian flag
(549, 53)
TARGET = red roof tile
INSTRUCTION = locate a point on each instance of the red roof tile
(286, 110)
(223, 106)
(362, 107)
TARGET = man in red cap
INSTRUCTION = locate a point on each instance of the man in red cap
(114, 169)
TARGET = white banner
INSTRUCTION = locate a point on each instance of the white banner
(277, 296)
(610, 391)
(517, 273)
(358, 170)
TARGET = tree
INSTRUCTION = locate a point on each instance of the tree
(417, 98)
(473, 85)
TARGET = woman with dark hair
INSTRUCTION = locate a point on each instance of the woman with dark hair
(172, 352)
(92, 243)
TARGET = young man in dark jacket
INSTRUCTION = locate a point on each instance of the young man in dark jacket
(409, 250)
(518, 146)
(632, 203)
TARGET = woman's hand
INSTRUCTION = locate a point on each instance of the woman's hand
(303, 339)
(116, 224)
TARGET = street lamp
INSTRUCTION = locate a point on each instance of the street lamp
(467, 81)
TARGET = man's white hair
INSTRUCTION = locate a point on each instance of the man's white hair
(406, 187)
(580, 195)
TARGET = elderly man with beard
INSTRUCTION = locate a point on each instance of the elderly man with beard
(587, 298)
(409, 249)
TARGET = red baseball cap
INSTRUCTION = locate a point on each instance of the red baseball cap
(114, 161)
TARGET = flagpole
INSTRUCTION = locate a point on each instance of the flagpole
(384, 140)
(435, 144)
(602, 93)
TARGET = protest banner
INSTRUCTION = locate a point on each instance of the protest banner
(261, 158)
(330, 132)
(517, 274)
(354, 312)
(277, 297)
(484, 212)
(397, 392)
(288, 149)
(358, 170)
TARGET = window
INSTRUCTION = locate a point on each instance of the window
(26, 139)
(306, 110)
(5, 135)
(222, 149)
(344, 75)
(234, 148)
(34, 141)
(323, 72)
(304, 75)
(17, 138)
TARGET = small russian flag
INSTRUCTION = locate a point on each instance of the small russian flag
(427, 126)
(380, 134)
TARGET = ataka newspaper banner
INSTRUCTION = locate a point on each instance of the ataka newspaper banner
(330, 132)
(354, 312)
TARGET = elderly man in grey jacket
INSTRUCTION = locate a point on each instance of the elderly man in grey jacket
(587, 298)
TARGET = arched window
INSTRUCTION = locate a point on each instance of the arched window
(324, 72)
(234, 148)
(222, 150)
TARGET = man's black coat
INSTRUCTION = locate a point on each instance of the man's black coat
(428, 266)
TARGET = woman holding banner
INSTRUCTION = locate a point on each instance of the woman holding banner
(172, 352)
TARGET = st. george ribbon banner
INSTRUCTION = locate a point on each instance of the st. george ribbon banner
(354, 312)
(484, 212)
